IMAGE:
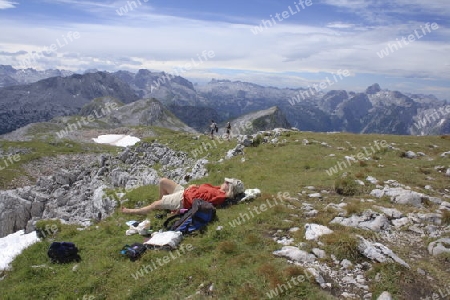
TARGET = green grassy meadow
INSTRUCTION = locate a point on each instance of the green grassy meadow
(236, 262)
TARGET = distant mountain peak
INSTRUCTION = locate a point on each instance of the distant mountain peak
(373, 89)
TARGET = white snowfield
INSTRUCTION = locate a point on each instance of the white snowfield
(119, 140)
(13, 244)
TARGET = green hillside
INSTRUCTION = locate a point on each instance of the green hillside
(237, 261)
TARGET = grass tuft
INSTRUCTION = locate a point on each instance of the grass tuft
(343, 245)
(346, 186)
(446, 217)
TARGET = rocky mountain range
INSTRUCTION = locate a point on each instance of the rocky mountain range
(10, 76)
(56, 96)
(374, 110)
(260, 120)
(102, 116)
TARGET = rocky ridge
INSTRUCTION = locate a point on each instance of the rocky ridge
(76, 193)
(56, 96)
(374, 110)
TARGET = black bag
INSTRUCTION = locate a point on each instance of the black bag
(217, 128)
(232, 201)
(196, 218)
(134, 251)
(63, 252)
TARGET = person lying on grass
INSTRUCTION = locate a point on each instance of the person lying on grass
(173, 196)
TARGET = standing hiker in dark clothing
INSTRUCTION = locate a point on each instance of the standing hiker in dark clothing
(228, 131)
(213, 128)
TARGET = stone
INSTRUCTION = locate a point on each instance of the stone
(400, 222)
(346, 264)
(314, 231)
(285, 241)
(421, 272)
(445, 205)
(311, 213)
(445, 154)
(14, 212)
(400, 195)
(319, 279)
(348, 280)
(368, 220)
(440, 246)
(385, 296)
(378, 252)
(315, 195)
(410, 154)
(372, 180)
(295, 254)
(319, 252)
(430, 218)
(377, 193)
(238, 150)
(391, 213)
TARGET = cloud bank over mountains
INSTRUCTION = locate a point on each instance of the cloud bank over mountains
(298, 51)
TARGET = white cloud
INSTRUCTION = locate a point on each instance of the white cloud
(339, 25)
(354, 4)
(379, 10)
(5, 4)
(82, 4)
(168, 42)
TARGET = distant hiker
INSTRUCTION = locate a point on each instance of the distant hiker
(213, 128)
(228, 135)
(174, 196)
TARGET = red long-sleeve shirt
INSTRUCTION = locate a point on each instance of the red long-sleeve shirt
(206, 191)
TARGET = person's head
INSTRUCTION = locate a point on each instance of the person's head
(233, 187)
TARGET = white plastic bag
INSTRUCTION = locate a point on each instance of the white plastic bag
(142, 228)
(166, 239)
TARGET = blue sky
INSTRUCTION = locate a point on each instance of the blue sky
(401, 44)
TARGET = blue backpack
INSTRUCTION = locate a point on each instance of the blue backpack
(196, 218)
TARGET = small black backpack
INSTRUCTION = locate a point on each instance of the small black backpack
(133, 252)
(63, 252)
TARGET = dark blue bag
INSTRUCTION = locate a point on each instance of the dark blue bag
(196, 218)
(63, 252)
